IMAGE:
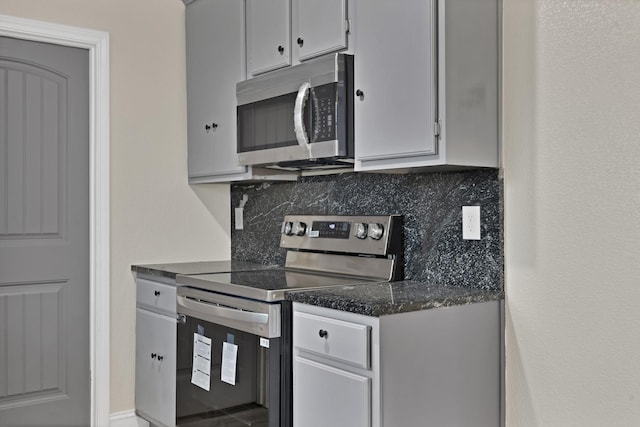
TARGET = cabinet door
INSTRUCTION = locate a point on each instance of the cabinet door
(156, 366)
(322, 27)
(327, 396)
(215, 43)
(395, 70)
(268, 35)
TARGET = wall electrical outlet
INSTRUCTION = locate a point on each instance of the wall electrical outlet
(471, 222)
(239, 222)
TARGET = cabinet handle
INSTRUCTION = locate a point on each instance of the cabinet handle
(300, 42)
(323, 333)
(281, 50)
(153, 355)
(157, 293)
(359, 93)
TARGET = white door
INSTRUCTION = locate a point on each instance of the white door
(44, 235)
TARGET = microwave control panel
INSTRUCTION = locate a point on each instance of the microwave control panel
(323, 112)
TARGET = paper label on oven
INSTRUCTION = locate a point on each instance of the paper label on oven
(314, 233)
(264, 342)
(229, 359)
(201, 372)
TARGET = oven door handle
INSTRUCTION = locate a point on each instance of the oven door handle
(214, 310)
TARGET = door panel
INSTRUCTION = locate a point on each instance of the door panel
(44, 234)
(31, 187)
(30, 353)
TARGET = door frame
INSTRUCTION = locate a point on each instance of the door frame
(97, 43)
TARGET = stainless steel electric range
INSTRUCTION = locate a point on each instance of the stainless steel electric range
(234, 329)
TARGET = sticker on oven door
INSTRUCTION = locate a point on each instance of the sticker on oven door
(264, 342)
(201, 368)
(229, 359)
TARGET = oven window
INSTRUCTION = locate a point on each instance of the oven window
(248, 402)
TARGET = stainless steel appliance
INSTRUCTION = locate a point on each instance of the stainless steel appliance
(247, 312)
(298, 117)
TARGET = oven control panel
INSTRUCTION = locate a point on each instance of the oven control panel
(375, 235)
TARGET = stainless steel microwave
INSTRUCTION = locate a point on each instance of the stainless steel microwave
(300, 117)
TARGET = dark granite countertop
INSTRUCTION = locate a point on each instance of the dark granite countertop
(385, 298)
(171, 270)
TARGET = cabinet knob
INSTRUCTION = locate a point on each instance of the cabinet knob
(156, 293)
(281, 49)
(300, 42)
(359, 93)
(160, 358)
(153, 355)
(208, 127)
(323, 333)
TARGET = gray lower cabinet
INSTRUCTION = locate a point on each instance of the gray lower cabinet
(438, 367)
(156, 331)
(427, 75)
(348, 403)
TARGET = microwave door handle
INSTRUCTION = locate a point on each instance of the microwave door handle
(298, 110)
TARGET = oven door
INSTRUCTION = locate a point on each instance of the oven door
(229, 361)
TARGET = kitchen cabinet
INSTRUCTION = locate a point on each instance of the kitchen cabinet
(280, 33)
(334, 387)
(214, 51)
(268, 35)
(426, 74)
(428, 367)
(348, 404)
(215, 63)
(156, 332)
(322, 27)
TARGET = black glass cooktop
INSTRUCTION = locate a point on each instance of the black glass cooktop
(264, 285)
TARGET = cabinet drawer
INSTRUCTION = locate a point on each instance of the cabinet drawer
(344, 341)
(156, 296)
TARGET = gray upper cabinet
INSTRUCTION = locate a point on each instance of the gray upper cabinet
(320, 27)
(215, 63)
(426, 79)
(284, 32)
(268, 35)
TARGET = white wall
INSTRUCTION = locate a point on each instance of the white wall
(155, 215)
(571, 126)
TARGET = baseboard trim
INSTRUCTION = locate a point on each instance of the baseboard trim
(126, 419)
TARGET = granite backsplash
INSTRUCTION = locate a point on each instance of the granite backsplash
(431, 206)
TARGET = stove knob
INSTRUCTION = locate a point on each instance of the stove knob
(287, 228)
(360, 230)
(299, 228)
(376, 231)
